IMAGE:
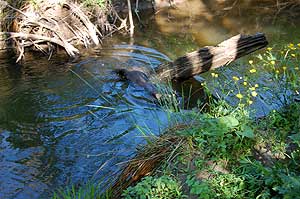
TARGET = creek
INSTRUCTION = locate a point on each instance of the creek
(66, 122)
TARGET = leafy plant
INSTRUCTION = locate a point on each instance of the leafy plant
(163, 187)
(223, 186)
(201, 189)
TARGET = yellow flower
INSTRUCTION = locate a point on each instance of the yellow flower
(297, 68)
(298, 44)
(293, 55)
(245, 83)
(277, 71)
(253, 70)
(254, 93)
(215, 75)
(239, 95)
(250, 102)
(272, 62)
(281, 52)
(269, 49)
(250, 61)
(291, 45)
(252, 89)
(235, 78)
(256, 85)
(284, 67)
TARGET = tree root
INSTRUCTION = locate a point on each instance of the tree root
(49, 25)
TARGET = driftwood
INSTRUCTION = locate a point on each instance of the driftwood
(194, 63)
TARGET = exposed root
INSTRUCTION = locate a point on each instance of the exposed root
(51, 24)
(33, 39)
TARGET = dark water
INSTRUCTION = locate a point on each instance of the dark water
(64, 122)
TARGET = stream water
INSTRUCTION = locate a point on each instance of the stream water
(64, 122)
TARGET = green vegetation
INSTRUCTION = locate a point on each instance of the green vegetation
(231, 155)
(156, 188)
(88, 191)
(226, 153)
(100, 3)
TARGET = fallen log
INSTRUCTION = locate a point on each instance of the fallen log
(197, 62)
(211, 57)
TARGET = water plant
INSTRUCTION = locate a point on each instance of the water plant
(87, 191)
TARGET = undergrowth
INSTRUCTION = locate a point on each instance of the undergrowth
(233, 156)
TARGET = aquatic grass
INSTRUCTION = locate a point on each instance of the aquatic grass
(87, 191)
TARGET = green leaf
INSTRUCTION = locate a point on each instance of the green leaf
(246, 132)
(228, 121)
(296, 138)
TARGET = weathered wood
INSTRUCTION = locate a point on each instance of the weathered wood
(194, 63)
(211, 57)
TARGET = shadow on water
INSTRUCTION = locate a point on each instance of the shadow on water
(67, 122)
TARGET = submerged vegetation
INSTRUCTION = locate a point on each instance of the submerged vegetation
(220, 150)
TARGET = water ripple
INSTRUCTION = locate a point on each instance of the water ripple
(67, 122)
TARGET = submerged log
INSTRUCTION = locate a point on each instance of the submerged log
(200, 61)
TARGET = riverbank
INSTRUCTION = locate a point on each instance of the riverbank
(220, 151)
(228, 157)
(70, 25)
(223, 153)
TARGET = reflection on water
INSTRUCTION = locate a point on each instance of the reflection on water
(197, 23)
(66, 122)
